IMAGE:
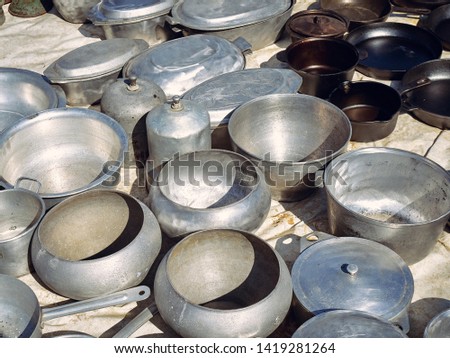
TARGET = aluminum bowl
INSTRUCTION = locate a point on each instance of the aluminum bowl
(290, 137)
(67, 150)
(391, 196)
(26, 92)
(209, 189)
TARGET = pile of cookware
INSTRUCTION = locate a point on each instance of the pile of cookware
(217, 142)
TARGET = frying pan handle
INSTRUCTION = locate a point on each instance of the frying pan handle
(411, 10)
(134, 294)
(137, 322)
(313, 237)
(408, 107)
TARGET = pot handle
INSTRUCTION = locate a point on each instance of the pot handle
(137, 322)
(411, 10)
(22, 179)
(243, 45)
(313, 237)
(134, 294)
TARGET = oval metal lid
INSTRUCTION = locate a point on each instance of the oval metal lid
(221, 95)
(220, 15)
(317, 23)
(120, 11)
(181, 64)
(94, 60)
(348, 324)
(352, 273)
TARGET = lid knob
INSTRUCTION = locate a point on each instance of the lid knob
(352, 269)
(133, 86)
(176, 104)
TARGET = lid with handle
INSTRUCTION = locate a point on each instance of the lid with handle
(352, 273)
(94, 60)
(210, 15)
(125, 11)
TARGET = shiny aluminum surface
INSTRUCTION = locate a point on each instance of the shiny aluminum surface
(353, 273)
(181, 64)
(220, 15)
(74, 11)
(439, 326)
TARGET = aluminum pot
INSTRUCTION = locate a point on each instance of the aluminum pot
(138, 19)
(21, 211)
(439, 326)
(290, 137)
(74, 11)
(260, 22)
(395, 197)
(90, 152)
(209, 189)
(372, 108)
(223, 283)
(22, 317)
(335, 273)
(322, 70)
(348, 324)
(95, 243)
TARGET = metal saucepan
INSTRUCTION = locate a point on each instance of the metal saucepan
(362, 12)
(372, 108)
(348, 324)
(395, 197)
(209, 189)
(223, 283)
(424, 90)
(388, 49)
(22, 317)
(290, 137)
(350, 273)
(21, 210)
(438, 21)
(439, 326)
(95, 243)
(315, 60)
(90, 149)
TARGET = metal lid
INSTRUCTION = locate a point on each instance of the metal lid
(94, 60)
(123, 11)
(221, 15)
(181, 64)
(348, 324)
(317, 23)
(221, 95)
(352, 273)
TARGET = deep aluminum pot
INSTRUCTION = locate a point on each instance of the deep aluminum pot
(259, 34)
(290, 137)
(224, 284)
(95, 243)
(90, 148)
(209, 189)
(391, 196)
(21, 211)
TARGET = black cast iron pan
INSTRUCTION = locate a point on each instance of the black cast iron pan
(438, 22)
(425, 93)
(388, 49)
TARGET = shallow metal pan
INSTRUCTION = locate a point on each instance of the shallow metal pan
(388, 49)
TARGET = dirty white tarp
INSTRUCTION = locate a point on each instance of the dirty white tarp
(34, 43)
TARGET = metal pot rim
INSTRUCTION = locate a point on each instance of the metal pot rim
(396, 151)
(287, 95)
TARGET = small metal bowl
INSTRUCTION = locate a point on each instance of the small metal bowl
(209, 189)
(372, 108)
(290, 137)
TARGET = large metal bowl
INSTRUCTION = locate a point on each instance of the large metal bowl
(67, 150)
(209, 189)
(290, 137)
(395, 197)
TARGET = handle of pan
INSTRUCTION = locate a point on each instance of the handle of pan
(411, 10)
(134, 294)
(22, 179)
(137, 322)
